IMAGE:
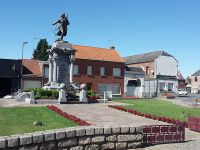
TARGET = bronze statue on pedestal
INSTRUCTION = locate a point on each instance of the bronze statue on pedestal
(63, 21)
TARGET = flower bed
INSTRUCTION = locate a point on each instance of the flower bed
(68, 116)
(150, 116)
(167, 96)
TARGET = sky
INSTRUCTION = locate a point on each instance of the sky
(132, 26)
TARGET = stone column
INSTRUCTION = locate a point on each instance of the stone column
(71, 69)
(54, 70)
(50, 70)
(57, 70)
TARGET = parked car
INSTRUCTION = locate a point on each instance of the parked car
(182, 92)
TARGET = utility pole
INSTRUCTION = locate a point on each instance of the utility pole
(23, 44)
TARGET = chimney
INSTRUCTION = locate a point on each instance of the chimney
(112, 47)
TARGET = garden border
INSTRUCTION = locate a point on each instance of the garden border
(68, 116)
(150, 116)
(194, 123)
(157, 134)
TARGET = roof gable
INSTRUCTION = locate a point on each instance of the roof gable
(180, 76)
(94, 53)
(197, 73)
(31, 67)
(146, 57)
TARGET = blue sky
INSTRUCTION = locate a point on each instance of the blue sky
(132, 26)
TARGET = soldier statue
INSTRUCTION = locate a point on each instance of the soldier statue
(63, 21)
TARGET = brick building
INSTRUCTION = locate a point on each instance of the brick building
(100, 68)
(160, 69)
(10, 76)
(35, 73)
(195, 82)
(181, 81)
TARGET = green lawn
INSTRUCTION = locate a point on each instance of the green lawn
(18, 120)
(161, 108)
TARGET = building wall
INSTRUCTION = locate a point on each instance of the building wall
(165, 65)
(181, 84)
(27, 83)
(95, 78)
(10, 75)
(152, 87)
(167, 81)
(78, 138)
(144, 66)
(195, 85)
(135, 91)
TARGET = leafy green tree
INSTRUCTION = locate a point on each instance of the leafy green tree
(40, 53)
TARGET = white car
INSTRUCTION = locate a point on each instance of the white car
(181, 92)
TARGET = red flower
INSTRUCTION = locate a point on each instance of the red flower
(68, 116)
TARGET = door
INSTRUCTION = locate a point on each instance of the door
(5, 86)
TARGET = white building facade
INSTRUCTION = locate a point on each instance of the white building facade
(161, 70)
(133, 81)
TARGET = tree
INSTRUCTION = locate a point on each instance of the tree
(40, 53)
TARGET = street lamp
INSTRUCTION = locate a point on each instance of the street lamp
(23, 44)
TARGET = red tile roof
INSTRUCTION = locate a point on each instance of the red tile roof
(31, 67)
(94, 53)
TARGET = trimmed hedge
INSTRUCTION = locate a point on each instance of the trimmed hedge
(40, 93)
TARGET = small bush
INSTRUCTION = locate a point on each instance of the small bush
(37, 97)
(44, 97)
(43, 94)
(91, 93)
(55, 94)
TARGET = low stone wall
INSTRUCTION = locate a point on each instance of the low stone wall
(46, 101)
(77, 138)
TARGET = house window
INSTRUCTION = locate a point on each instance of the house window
(195, 79)
(115, 88)
(116, 72)
(75, 70)
(89, 70)
(162, 86)
(147, 71)
(46, 72)
(170, 86)
(102, 71)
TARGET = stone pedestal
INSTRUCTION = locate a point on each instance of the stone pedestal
(62, 96)
(61, 58)
(83, 96)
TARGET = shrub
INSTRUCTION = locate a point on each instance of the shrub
(40, 93)
(55, 94)
(91, 93)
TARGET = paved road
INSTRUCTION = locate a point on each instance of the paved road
(187, 101)
(189, 98)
